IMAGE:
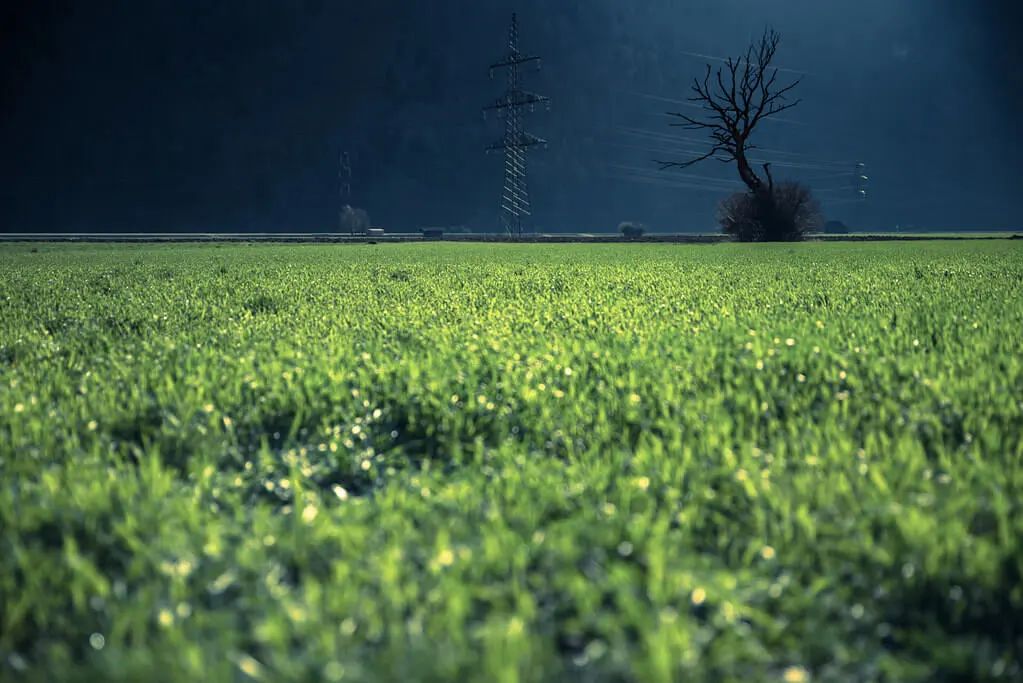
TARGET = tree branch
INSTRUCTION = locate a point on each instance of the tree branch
(686, 164)
(742, 93)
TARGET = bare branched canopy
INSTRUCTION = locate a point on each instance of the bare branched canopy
(735, 99)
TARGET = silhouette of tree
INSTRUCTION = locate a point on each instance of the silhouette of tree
(735, 99)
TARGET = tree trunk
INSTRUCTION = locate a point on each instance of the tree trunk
(747, 174)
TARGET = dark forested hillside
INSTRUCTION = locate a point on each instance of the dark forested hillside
(168, 115)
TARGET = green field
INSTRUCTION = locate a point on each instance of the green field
(434, 462)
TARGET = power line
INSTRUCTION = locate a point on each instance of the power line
(712, 58)
(805, 161)
(660, 135)
(511, 106)
(706, 179)
(652, 150)
(830, 176)
(681, 149)
(666, 183)
(685, 181)
(771, 118)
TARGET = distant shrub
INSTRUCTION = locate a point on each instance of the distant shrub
(631, 230)
(784, 215)
(354, 220)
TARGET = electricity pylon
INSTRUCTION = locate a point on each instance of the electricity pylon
(344, 188)
(512, 106)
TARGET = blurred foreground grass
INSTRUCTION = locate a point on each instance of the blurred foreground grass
(504, 462)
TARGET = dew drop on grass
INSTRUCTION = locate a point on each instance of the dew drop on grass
(250, 667)
(446, 557)
(309, 513)
(333, 671)
(795, 674)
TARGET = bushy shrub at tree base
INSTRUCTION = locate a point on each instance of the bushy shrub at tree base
(782, 213)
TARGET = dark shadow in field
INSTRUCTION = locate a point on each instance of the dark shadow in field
(264, 304)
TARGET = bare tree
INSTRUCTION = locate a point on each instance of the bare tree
(736, 98)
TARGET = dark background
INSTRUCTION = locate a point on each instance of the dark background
(229, 116)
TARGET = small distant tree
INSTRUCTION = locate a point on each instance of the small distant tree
(836, 227)
(354, 220)
(736, 98)
(631, 230)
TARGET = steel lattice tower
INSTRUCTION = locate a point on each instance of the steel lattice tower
(512, 106)
(344, 185)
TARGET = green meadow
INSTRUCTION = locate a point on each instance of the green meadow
(468, 462)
